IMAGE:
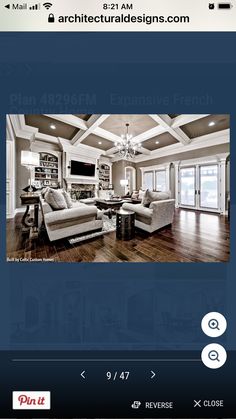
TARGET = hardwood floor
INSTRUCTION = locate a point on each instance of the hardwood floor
(193, 237)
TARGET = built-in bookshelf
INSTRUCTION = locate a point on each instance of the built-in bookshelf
(104, 176)
(47, 173)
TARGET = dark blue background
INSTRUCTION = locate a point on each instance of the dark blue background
(116, 306)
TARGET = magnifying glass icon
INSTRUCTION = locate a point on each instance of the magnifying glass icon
(213, 356)
(213, 324)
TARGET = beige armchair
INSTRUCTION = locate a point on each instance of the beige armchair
(158, 215)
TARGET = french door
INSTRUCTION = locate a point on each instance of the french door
(199, 187)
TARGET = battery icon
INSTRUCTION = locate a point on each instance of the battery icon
(224, 5)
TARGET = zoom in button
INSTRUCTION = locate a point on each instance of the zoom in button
(214, 324)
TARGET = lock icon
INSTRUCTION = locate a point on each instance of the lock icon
(51, 18)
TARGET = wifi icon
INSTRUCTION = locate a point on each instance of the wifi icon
(47, 5)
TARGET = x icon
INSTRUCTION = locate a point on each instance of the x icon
(197, 403)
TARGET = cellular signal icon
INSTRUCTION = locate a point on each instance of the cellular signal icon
(47, 5)
(35, 7)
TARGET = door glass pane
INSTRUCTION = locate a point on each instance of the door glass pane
(187, 186)
(161, 180)
(148, 180)
(209, 186)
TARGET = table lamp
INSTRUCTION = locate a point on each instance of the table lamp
(29, 160)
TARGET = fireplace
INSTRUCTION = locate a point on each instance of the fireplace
(85, 194)
(82, 191)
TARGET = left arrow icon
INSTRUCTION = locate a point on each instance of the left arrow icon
(8, 6)
(83, 375)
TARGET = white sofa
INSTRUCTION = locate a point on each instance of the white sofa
(159, 214)
(81, 218)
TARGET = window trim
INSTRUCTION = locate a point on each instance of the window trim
(153, 179)
(154, 169)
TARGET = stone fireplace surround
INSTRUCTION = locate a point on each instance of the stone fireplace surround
(81, 191)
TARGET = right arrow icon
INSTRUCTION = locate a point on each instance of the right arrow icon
(153, 374)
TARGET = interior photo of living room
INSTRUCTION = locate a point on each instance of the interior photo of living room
(118, 188)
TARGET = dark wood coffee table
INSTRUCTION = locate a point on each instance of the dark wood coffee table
(110, 206)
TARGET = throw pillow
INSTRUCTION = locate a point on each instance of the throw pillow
(134, 195)
(146, 199)
(67, 199)
(44, 191)
(158, 196)
(55, 199)
(141, 193)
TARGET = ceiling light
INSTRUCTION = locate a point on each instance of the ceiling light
(52, 126)
(211, 124)
(157, 142)
(99, 142)
(127, 147)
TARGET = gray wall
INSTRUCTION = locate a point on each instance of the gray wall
(203, 152)
(22, 174)
(118, 173)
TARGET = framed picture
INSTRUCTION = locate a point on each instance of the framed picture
(46, 182)
(37, 184)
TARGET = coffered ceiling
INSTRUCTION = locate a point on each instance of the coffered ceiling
(137, 124)
(95, 141)
(85, 117)
(173, 115)
(157, 133)
(212, 123)
(162, 140)
(49, 126)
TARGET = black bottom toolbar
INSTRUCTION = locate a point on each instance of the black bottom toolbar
(115, 384)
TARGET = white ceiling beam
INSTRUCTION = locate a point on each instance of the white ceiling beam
(209, 140)
(165, 121)
(153, 132)
(47, 138)
(107, 135)
(75, 121)
(93, 123)
(20, 129)
(144, 151)
(180, 120)
(180, 135)
(111, 151)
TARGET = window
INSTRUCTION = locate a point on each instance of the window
(187, 186)
(148, 180)
(160, 180)
(209, 186)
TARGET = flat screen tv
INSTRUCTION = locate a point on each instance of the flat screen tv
(80, 168)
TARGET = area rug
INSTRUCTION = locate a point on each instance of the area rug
(109, 225)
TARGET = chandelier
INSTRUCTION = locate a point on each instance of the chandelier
(127, 147)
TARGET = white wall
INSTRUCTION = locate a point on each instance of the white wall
(10, 170)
